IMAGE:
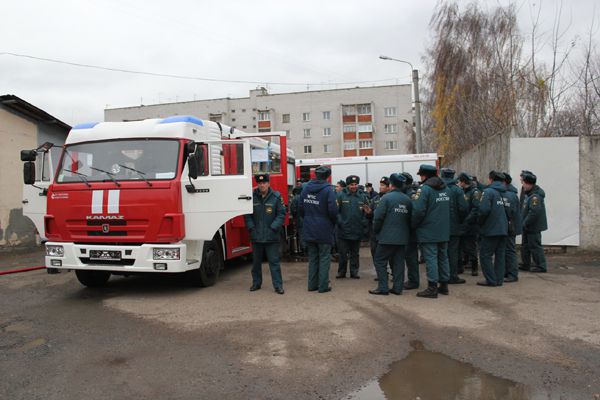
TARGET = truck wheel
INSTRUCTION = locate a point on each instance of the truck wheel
(92, 278)
(211, 265)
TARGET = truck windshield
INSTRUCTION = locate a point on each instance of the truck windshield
(120, 160)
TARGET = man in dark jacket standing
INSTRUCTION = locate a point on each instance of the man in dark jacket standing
(318, 207)
(470, 225)
(534, 223)
(265, 225)
(384, 187)
(391, 224)
(511, 201)
(411, 257)
(493, 223)
(458, 210)
(351, 225)
(431, 218)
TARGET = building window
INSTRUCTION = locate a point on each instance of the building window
(389, 128)
(349, 110)
(308, 149)
(244, 126)
(365, 128)
(264, 116)
(232, 119)
(327, 115)
(365, 144)
(306, 116)
(390, 111)
(391, 145)
(326, 131)
(285, 118)
(243, 110)
(364, 109)
(307, 132)
(349, 145)
(232, 111)
(326, 148)
(253, 118)
(349, 128)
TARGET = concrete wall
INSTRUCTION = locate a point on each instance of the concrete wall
(492, 154)
(16, 134)
(589, 180)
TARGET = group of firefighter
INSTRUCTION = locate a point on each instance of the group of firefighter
(454, 223)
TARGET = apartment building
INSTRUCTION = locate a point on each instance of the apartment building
(358, 121)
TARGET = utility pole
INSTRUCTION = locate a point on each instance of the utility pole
(415, 76)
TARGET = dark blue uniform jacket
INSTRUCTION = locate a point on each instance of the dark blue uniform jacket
(318, 208)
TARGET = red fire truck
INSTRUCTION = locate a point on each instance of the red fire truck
(158, 195)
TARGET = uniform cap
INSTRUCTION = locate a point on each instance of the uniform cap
(352, 179)
(342, 183)
(497, 176)
(529, 178)
(525, 172)
(261, 178)
(397, 179)
(369, 184)
(507, 177)
(464, 177)
(322, 172)
(409, 178)
(385, 180)
(448, 173)
(426, 169)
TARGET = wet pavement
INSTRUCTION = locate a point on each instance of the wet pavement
(158, 337)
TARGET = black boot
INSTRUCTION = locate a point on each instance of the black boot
(474, 268)
(443, 288)
(431, 292)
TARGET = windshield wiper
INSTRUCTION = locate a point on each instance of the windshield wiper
(109, 174)
(81, 176)
(140, 173)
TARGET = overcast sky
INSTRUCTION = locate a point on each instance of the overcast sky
(272, 42)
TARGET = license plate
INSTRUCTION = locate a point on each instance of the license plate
(105, 255)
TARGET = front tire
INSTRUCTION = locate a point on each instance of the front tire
(211, 265)
(92, 278)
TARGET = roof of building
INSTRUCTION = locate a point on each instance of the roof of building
(19, 105)
(265, 94)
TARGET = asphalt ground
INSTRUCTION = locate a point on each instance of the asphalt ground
(158, 337)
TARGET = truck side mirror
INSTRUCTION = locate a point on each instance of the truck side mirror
(29, 172)
(196, 162)
(28, 155)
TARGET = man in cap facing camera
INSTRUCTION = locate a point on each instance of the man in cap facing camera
(391, 224)
(431, 218)
(318, 207)
(351, 223)
(265, 225)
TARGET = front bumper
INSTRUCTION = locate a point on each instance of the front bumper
(133, 258)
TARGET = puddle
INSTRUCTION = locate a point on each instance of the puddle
(426, 375)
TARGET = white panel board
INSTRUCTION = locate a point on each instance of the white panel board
(341, 171)
(375, 170)
(555, 161)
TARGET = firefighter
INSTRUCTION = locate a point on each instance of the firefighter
(458, 210)
(318, 207)
(384, 187)
(493, 222)
(470, 225)
(431, 218)
(265, 225)
(391, 223)
(411, 258)
(511, 200)
(534, 223)
(351, 226)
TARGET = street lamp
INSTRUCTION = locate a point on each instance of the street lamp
(415, 76)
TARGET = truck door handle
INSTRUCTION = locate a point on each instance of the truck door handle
(244, 197)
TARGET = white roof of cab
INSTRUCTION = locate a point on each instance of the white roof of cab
(180, 126)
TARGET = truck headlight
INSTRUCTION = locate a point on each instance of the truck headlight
(55, 251)
(165, 254)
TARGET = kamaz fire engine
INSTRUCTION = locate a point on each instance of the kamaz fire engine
(158, 195)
